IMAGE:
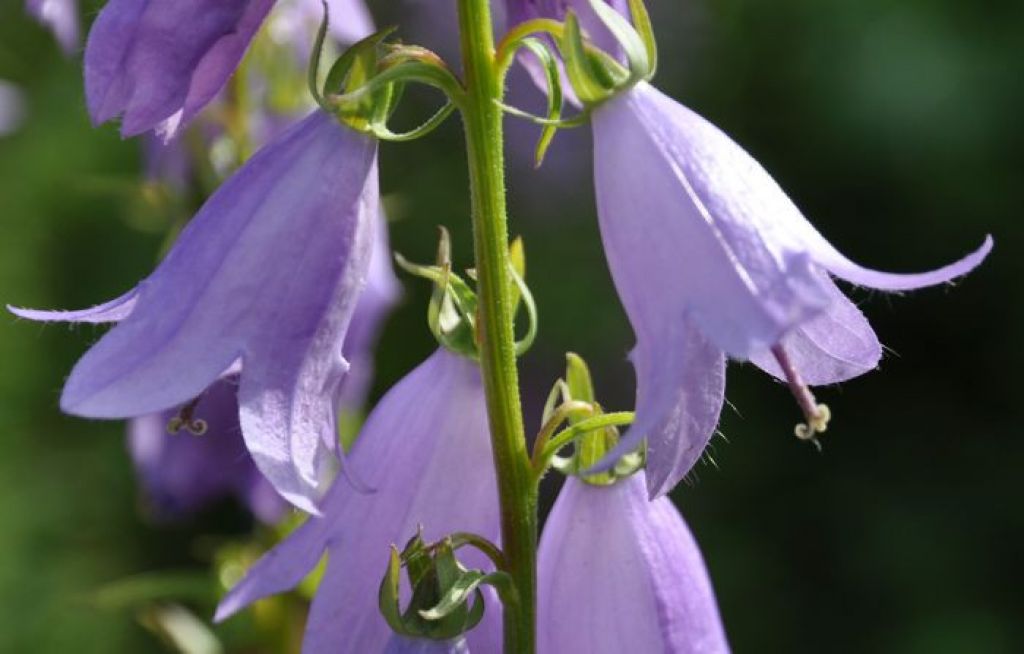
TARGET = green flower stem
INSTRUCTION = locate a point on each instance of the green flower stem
(517, 489)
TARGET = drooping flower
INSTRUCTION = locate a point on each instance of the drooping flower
(711, 258)
(425, 452)
(202, 462)
(157, 63)
(267, 275)
(60, 17)
(402, 645)
(620, 573)
(183, 472)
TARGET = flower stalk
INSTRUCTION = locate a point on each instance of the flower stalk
(517, 490)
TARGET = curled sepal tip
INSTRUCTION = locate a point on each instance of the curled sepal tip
(452, 312)
(363, 86)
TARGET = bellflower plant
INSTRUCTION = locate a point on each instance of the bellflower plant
(431, 430)
(747, 275)
(254, 332)
(267, 275)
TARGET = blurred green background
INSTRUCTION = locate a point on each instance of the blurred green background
(895, 126)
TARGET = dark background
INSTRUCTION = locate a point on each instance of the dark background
(895, 126)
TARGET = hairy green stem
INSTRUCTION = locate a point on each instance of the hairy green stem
(517, 489)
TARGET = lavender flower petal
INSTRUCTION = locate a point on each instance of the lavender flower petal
(618, 573)
(379, 296)
(680, 392)
(61, 17)
(158, 62)
(292, 20)
(112, 311)
(765, 279)
(425, 451)
(268, 272)
(666, 188)
(837, 345)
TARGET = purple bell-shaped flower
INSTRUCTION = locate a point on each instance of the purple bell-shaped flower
(712, 259)
(157, 63)
(265, 277)
(620, 573)
(425, 452)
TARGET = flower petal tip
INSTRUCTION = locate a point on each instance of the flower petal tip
(113, 311)
(884, 281)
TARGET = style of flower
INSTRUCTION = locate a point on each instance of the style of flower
(620, 573)
(425, 452)
(157, 63)
(740, 273)
(202, 462)
(60, 17)
(266, 277)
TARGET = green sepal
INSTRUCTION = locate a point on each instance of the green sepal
(628, 38)
(466, 585)
(517, 259)
(446, 599)
(338, 77)
(547, 59)
(645, 29)
(313, 71)
(523, 345)
(388, 596)
(451, 314)
(363, 87)
(592, 432)
(578, 379)
(588, 80)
